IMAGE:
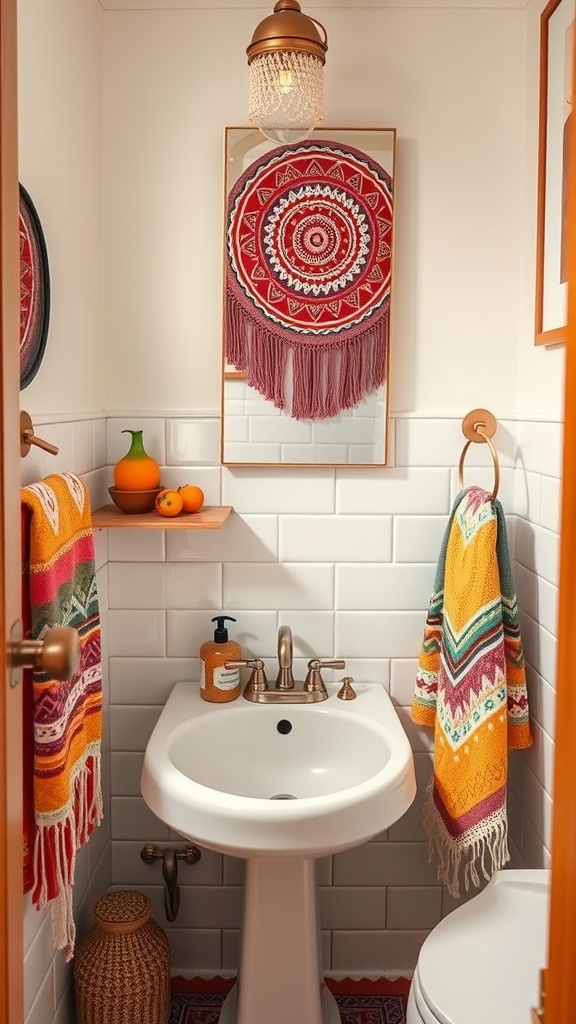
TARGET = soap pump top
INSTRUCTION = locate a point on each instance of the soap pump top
(221, 633)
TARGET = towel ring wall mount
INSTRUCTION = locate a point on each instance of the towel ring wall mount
(479, 426)
(28, 437)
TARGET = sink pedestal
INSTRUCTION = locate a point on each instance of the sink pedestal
(280, 980)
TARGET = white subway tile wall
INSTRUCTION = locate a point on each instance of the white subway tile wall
(255, 430)
(193, 442)
(346, 557)
(537, 543)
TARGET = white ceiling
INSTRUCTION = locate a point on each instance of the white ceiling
(315, 5)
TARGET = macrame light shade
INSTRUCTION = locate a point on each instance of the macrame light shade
(286, 59)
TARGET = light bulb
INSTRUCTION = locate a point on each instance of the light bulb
(285, 81)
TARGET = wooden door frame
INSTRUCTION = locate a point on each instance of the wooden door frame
(11, 900)
(560, 1000)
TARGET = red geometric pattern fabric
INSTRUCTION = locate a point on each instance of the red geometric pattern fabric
(31, 308)
(309, 243)
(63, 748)
(203, 1008)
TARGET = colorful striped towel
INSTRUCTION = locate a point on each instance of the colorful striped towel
(59, 564)
(471, 688)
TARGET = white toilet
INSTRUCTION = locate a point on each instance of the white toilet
(482, 962)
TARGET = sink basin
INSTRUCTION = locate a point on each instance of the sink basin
(277, 780)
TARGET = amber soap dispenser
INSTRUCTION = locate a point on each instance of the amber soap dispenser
(218, 683)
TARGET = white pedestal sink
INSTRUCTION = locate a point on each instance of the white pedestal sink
(279, 785)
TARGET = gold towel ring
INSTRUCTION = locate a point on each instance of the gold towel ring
(479, 426)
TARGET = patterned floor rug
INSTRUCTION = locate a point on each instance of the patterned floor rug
(204, 1008)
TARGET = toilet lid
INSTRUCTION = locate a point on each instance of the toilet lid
(482, 962)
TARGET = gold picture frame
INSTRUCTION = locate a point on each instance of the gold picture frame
(556, 58)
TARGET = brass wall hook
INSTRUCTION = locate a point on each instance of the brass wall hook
(479, 426)
(28, 437)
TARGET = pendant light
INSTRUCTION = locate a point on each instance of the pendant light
(286, 59)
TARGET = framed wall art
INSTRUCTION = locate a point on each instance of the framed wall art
(308, 252)
(556, 49)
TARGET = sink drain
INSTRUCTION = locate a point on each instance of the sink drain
(283, 796)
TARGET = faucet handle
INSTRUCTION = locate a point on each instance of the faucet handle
(347, 691)
(314, 682)
(257, 682)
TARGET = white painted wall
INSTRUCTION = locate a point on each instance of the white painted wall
(60, 91)
(463, 326)
(452, 81)
(539, 370)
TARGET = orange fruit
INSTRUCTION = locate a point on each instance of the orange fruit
(192, 496)
(169, 503)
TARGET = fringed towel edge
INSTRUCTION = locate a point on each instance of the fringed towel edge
(64, 833)
(474, 851)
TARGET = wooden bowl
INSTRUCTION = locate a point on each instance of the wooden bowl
(133, 502)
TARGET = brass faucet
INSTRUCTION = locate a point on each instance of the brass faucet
(286, 690)
(285, 677)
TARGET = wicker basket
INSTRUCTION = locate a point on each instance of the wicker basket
(122, 967)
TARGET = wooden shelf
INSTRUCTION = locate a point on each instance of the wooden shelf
(211, 517)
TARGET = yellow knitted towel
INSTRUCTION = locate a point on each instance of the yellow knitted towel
(471, 688)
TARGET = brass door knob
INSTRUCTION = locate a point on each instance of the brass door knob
(57, 654)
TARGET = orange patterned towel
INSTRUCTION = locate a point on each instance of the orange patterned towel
(67, 716)
(471, 688)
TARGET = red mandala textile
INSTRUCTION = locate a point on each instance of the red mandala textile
(34, 291)
(309, 239)
(30, 275)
